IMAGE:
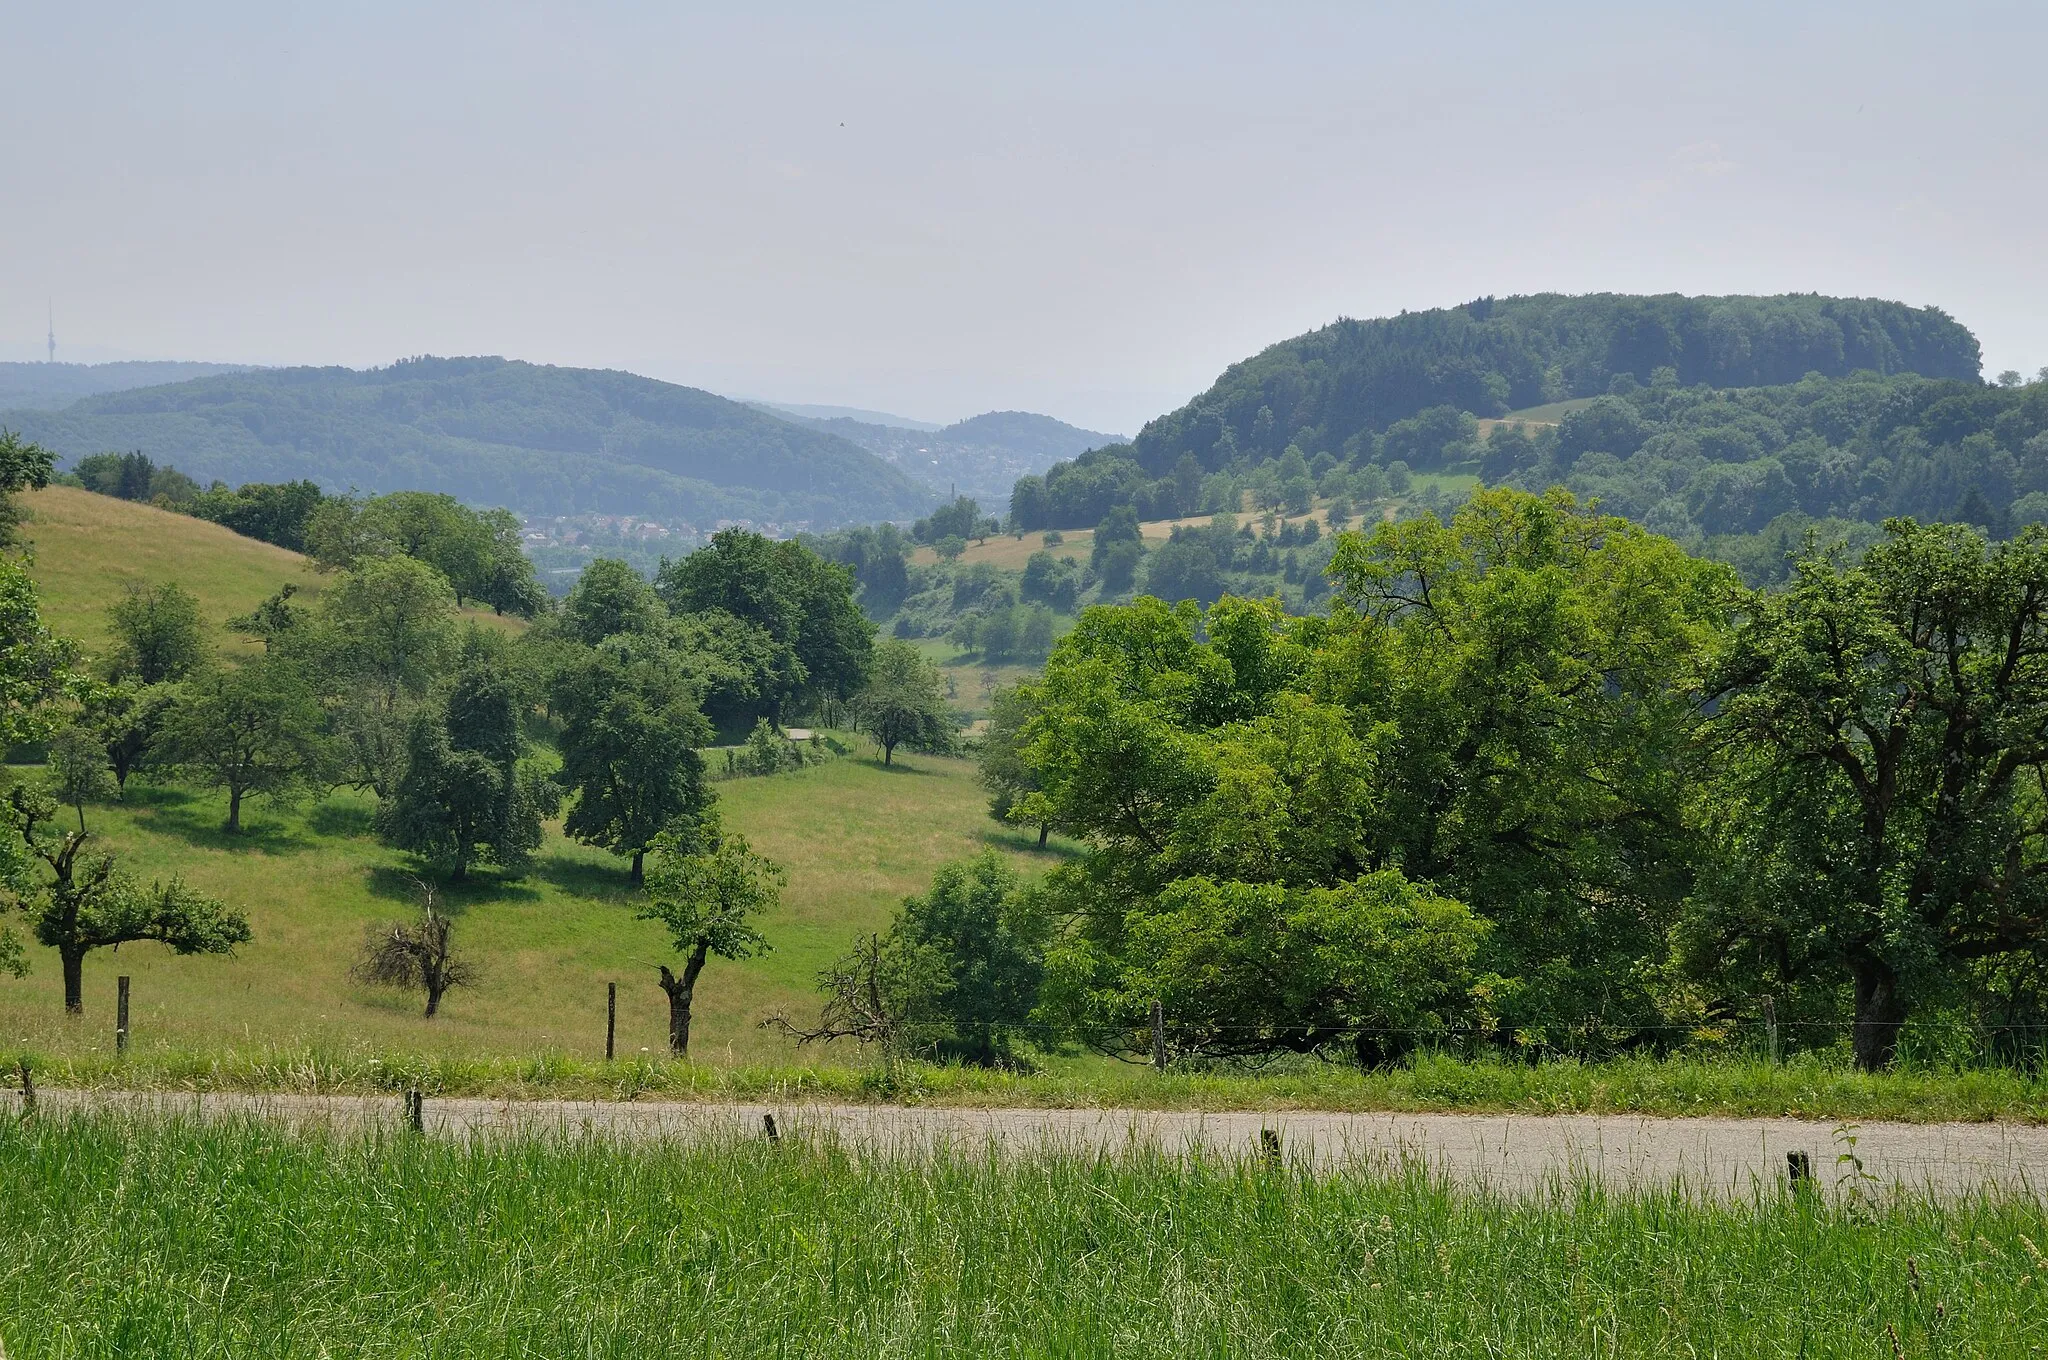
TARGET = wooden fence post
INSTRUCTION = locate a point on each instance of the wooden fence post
(121, 1016)
(768, 1127)
(1798, 1169)
(416, 1110)
(1158, 1036)
(28, 1091)
(611, 1019)
(1269, 1144)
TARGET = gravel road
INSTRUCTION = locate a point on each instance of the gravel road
(1716, 1157)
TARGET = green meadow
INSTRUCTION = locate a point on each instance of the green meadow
(168, 1238)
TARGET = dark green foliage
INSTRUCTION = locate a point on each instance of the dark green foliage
(610, 598)
(158, 634)
(797, 598)
(271, 511)
(1404, 388)
(961, 519)
(1880, 729)
(1184, 568)
(463, 797)
(538, 439)
(878, 557)
(630, 733)
(1005, 771)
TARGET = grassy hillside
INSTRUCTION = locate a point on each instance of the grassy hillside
(853, 836)
(88, 548)
(535, 438)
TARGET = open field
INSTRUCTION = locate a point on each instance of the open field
(123, 1237)
(853, 837)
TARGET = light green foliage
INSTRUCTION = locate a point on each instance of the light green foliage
(256, 728)
(77, 903)
(1005, 773)
(904, 703)
(35, 665)
(478, 553)
(1881, 732)
(22, 465)
(708, 888)
(956, 975)
(158, 634)
(79, 772)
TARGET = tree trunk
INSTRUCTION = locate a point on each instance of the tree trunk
(460, 874)
(234, 826)
(74, 981)
(1880, 1011)
(1043, 832)
(639, 875)
(888, 750)
(681, 991)
(434, 999)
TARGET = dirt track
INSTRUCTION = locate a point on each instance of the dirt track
(1723, 1157)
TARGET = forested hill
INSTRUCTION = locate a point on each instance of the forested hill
(50, 386)
(981, 457)
(1493, 356)
(490, 431)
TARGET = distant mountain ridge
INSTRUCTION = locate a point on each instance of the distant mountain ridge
(805, 411)
(491, 431)
(50, 387)
(981, 456)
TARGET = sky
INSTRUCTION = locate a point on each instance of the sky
(1083, 209)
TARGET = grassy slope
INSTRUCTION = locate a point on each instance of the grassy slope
(853, 837)
(89, 548)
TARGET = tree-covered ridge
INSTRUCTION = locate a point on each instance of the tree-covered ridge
(1384, 390)
(493, 431)
(980, 456)
(1493, 356)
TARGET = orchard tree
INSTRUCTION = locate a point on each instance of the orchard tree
(77, 903)
(158, 634)
(255, 728)
(707, 887)
(904, 703)
(385, 634)
(22, 465)
(78, 769)
(1881, 734)
(1005, 773)
(630, 733)
(126, 719)
(463, 797)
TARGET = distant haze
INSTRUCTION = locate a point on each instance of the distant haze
(1085, 210)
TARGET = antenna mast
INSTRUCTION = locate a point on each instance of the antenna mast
(53, 331)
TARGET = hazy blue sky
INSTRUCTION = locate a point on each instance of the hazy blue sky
(1084, 209)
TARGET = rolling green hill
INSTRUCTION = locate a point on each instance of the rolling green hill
(534, 438)
(52, 386)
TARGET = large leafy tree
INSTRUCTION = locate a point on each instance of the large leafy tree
(1005, 772)
(707, 887)
(22, 465)
(1532, 670)
(799, 599)
(255, 728)
(1882, 734)
(904, 703)
(77, 903)
(630, 732)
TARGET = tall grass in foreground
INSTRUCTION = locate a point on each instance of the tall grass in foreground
(1807, 1086)
(162, 1238)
